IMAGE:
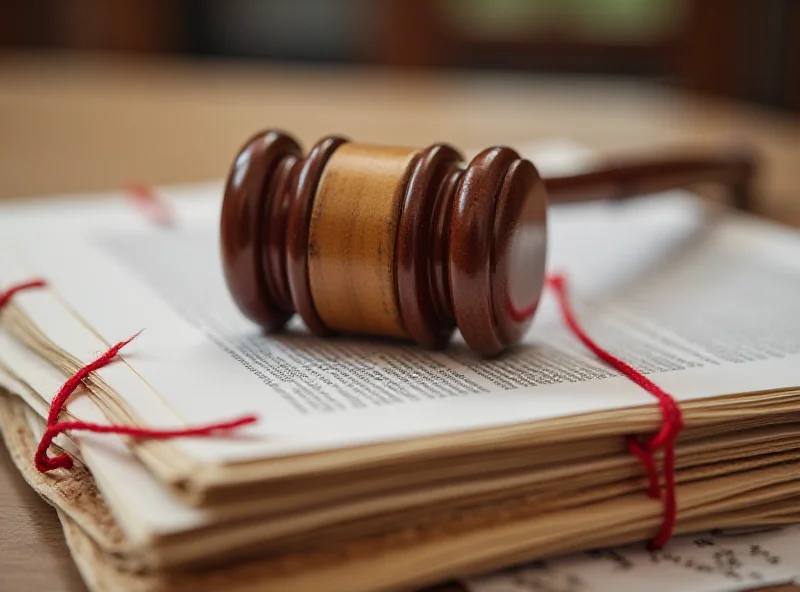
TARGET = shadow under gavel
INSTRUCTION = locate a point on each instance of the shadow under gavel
(413, 243)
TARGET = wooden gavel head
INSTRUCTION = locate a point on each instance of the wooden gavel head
(392, 241)
(406, 242)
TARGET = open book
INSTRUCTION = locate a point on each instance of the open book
(376, 465)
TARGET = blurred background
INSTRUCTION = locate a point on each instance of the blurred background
(94, 93)
(748, 49)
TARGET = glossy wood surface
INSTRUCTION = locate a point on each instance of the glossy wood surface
(308, 179)
(734, 169)
(496, 262)
(243, 236)
(378, 232)
(92, 125)
(423, 285)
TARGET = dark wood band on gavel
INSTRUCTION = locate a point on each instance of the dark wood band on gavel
(406, 242)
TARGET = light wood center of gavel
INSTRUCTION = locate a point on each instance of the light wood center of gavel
(411, 243)
(352, 238)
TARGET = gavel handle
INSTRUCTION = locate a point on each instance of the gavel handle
(633, 178)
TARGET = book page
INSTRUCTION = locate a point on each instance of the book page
(142, 505)
(727, 560)
(705, 307)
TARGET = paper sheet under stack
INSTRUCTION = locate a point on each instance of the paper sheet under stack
(382, 466)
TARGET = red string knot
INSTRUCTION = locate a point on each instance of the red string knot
(45, 463)
(671, 418)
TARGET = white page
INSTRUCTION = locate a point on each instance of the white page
(638, 267)
(727, 560)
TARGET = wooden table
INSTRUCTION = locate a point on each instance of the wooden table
(89, 124)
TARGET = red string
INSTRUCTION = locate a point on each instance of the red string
(149, 204)
(672, 419)
(5, 297)
(46, 463)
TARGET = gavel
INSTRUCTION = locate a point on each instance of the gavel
(413, 243)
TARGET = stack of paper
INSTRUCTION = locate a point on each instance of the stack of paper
(381, 466)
